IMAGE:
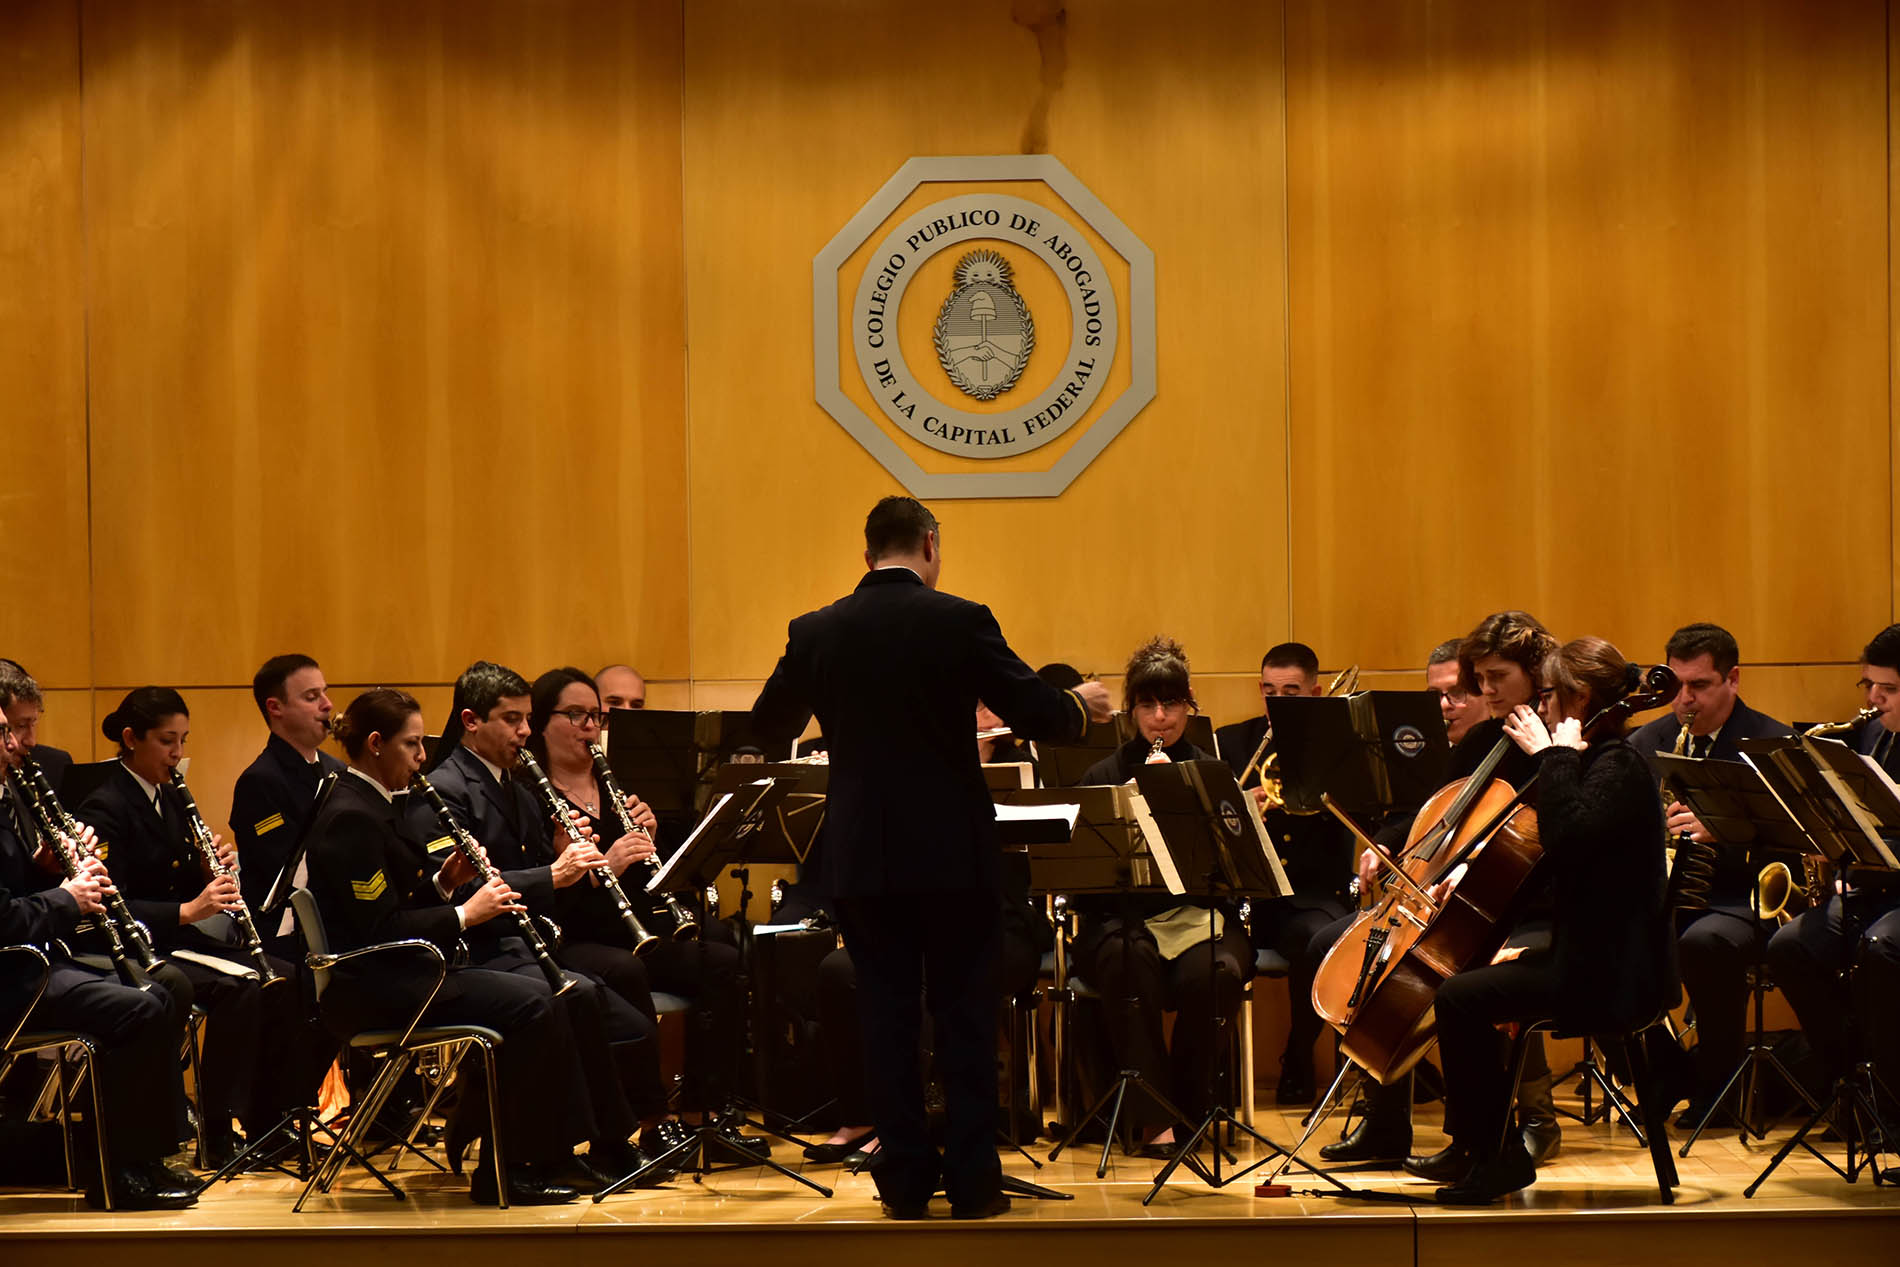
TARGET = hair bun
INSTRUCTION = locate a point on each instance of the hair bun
(112, 727)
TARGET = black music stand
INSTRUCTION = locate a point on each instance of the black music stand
(1200, 824)
(672, 756)
(1064, 764)
(1852, 804)
(1371, 752)
(733, 833)
(1736, 804)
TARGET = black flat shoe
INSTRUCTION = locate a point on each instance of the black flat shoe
(142, 1188)
(526, 1186)
(221, 1150)
(1370, 1141)
(1542, 1140)
(985, 1209)
(1449, 1165)
(1492, 1179)
(829, 1154)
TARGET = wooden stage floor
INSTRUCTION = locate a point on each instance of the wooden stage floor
(1595, 1204)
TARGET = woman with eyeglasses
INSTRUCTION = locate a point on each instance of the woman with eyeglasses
(1152, 948)
(565, 719)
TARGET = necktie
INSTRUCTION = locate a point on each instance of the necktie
(1882, 747)
(1700, 745)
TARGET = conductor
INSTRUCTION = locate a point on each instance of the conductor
(910, 852)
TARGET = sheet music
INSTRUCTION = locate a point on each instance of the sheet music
(1157, 846)
(661, 877)
(1066, 813)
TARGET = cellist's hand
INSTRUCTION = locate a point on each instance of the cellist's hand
(1526, 729)
(1368, 869)
(1569, 734)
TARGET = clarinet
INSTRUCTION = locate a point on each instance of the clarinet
(471, 849)
(685, 925)
(68, 846)
(554, 803)
(59, 825)
(249, 941)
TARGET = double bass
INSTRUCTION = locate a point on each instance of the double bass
(1379, 982)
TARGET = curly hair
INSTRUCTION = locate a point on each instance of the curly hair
(1515, 635)
(1157, 671)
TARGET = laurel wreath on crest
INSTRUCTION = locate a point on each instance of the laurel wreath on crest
(967, 268)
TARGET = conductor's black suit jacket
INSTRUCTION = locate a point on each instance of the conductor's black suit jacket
(893, 672)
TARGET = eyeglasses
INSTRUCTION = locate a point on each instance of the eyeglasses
(580, 716)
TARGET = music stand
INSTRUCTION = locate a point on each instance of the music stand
(1738, 807)
(1851, 804)
(672, 756)
(1371, 752)
(1064, 764)
(1201, 825)
(733, 832)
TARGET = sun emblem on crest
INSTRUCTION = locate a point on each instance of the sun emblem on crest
(984, 333)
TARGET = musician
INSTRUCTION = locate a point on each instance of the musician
(374, 881)
(893, 672)
(137, 1031)
(276, 793)
(564, 718)
(484, 733)
(1716, 946)
(1460, 708)
(256, 1060)
(621, 686)
(24, 712)
(1500, 664)
(1607, 966)
(1316, 853)
(1147, 952)
(1809, 952)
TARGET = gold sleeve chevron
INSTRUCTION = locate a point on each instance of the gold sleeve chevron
(371, 889)
(267, 825)
(439, 844)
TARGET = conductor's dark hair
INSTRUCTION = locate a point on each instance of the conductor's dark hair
(1292, 655)
(1884, 651)
(1064, 677)
(268, 682)
(1445, 652)
(142, 709)
(1702, 639)
(897, 525)
(1515, 635)
(16, 684)
(381, 710)
(482, 685)
(1158, 671)
(545, 695)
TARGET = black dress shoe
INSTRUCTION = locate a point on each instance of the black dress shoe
(1542, 1140)
(757, 1145)
(985, 1209)
(1449, 1165)
(221, 1149)
(527, 1185)
(829, 1154)
(1370, 1141)
(664, 1136)
(610, 1163)
(1489, 1180)
(140, 1188)
(904, 1209)
(166, 1175)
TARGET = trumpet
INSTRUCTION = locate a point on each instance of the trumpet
(1829, 728)
(685, 926)
(477, 857)
(643, 940)
(128, 944)
(251, 944)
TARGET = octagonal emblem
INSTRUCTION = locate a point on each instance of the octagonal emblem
(984, 326)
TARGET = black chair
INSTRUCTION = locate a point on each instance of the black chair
(397, 1048)
(23, 1042)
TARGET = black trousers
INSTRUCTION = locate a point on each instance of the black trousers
(841, 1037)
(1137, 985)
(1807, 957)
(138, 1050)
(1714, 950)
(1474, 1052)
(1292, 932)
(543, 1093)
(234, 1023)
(705, 972)
(941, 948)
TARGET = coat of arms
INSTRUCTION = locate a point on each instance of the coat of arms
(984, 333)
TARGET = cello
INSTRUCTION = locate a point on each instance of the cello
(1378, 984)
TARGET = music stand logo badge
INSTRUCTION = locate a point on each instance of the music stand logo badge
(1409, 740)
(1230, 818)
(1030, 326)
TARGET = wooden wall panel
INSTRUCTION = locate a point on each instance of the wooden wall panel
(1584, 321)
(1174, 120)
(386, 336)
(44, 612)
